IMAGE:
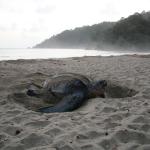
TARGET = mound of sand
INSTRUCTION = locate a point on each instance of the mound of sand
(121, 121)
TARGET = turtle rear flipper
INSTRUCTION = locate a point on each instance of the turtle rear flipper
(34, 90)
(68, 103)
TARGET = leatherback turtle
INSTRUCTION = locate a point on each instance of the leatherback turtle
(67, 91)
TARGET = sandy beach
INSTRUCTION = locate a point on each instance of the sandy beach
(121, 121)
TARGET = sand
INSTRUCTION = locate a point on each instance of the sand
(121, 121)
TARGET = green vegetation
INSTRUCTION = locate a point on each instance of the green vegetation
(128, 33)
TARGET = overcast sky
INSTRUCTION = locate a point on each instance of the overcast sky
(25, 23)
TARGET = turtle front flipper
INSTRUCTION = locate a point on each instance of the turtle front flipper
(68, 103)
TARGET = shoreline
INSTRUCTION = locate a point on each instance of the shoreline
(15, 54)
(36, 59)
(109, 123)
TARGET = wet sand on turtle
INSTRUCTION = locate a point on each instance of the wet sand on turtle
(119, 121)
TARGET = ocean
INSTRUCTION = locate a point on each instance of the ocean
(14, 54)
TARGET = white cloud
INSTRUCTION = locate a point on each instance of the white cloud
(46, 9)
(27, 22)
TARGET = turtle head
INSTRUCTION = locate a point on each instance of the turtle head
(100, 84)
(97, 89)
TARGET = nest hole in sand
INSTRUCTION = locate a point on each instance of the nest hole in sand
(118, 91)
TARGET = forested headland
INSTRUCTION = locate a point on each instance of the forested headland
(131, 33)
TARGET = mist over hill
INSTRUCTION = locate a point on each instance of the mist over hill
(131, 33)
